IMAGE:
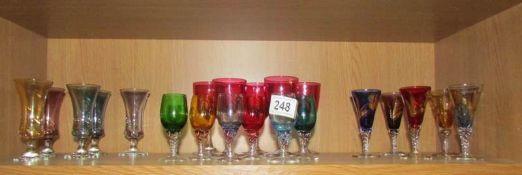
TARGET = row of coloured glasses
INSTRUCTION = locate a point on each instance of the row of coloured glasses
(456, 103)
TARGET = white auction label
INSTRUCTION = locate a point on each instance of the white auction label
(283, 106)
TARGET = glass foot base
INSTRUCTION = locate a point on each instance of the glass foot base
(396, 154)
(234, 158)
(365, 156)
(76, 156)
(133, 154)
(248, 156)
(440, 156)
(283, 160)
(466, 158)
(277, 153)
(200, 157)
(172, 159)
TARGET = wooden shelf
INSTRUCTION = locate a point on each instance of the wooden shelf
(329, 163)
(326, 20)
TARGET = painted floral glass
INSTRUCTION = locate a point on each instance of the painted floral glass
(202, 115)
(392, 107)
(83, 98)
(230, 107)
(32, 94)
(135, 101)
(282, 125)
(308, 94)
(52, 119)
(256, 111)
(415, 99)
(442, 108)
(365, 102)
(98, 120)
(466, 98)
(173, 117)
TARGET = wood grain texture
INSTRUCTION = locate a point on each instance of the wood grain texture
(489, 53)
(22, 55)
(172, 65)
(339, 163)
(325, 20)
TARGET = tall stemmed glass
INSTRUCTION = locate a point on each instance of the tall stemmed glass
(32, 94)
(98, 119)
(283, 88)
(466, 98)
(230, 109)
(415, 98)
(256, 111)
(365, 102)
(52, 119)
(442, 108)
(308, 94)
(173, 117)
(202, 115)
(135, 101)
(392, 107)
(83, 98)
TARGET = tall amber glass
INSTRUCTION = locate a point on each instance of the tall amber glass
(202, 115)
(32, 93)
(442, 108)
(52, 119)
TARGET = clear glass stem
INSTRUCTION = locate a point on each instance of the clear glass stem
(133, 145)
(253, 144)
(444, 140)
(365, 139)
(304, 140)
(94, 145)
(174, 143)
(393, 133)
(465, 138)
(201, 137)
(81, 151)
(414, 140)
(30, 151)
(283, 140)
(230, 134)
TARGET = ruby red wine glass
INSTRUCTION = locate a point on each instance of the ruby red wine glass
(415, 99)
(256, 111)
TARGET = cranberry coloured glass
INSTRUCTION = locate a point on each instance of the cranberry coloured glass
(415, 99)
(256, 111)
(230, 109)
(53, 104)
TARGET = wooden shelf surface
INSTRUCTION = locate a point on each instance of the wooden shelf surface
(325, 20)
(328, 163)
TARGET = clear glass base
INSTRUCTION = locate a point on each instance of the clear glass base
(200, 157)
(233, 158)
(442, 156)
(283, 160)
(27, 160)
(277, 153)
(133, 154)
(173, 159)
(466, 158)
(365, 156)
(394, 154)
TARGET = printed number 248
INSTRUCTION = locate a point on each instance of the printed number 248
(285, 106)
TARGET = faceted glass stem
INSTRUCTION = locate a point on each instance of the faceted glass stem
(414, 141)
(283, 156)
(254, 152)
(365, 143)
(201, 138)
(465, 138)
(173, 138)
(393, 133)
(444, 141)
(229, 155)
(95, 149)
(133, 149)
